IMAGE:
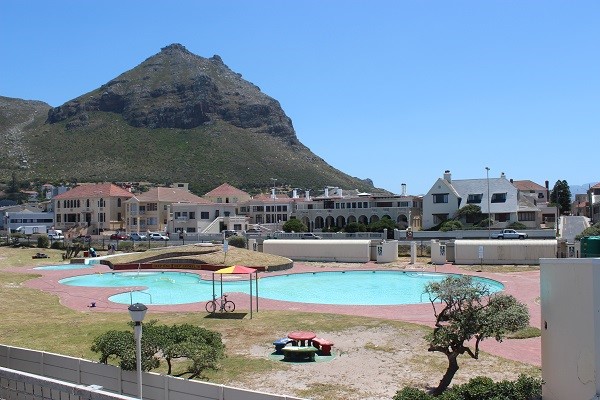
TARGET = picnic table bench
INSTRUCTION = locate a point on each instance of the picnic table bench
(323, 345)
(299, 353)
(280, 344)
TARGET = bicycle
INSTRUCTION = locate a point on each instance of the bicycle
(224, 304)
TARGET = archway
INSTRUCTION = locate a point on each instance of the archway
(319, 223)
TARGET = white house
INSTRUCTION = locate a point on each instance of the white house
(497, 197)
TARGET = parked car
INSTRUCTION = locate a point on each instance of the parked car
(309, 235)
(119, 236)
(229, 232)
(56, 236)
(509, 234)
(157, 236)
(137, 236)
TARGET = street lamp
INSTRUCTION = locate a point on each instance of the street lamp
(487, 175)
(137, 312)
(274, 219)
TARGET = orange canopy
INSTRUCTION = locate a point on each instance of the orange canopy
(236, 269)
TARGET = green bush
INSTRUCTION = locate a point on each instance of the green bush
(237, 241)
(484, 223)
(57, 245)
(124, 246)
(481, 388)
(43, 242)
(451, 226)
(517, 226)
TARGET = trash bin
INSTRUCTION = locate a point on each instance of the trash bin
(86, 253)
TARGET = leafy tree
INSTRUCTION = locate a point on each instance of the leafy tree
(203, 348)
(384, 223)
(593, 230)
(237, 241)
(354, 227)
(451, 225)
(467, 310)
(294, 225)
(43, 242)
(561, 195)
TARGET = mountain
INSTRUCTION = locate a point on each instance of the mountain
(176, 117)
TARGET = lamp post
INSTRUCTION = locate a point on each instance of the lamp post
(137, 312)
(274, 219)
(487, 175)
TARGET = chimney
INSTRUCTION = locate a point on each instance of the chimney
(502, 175)
(326, 191)
(295, 194)
(547, 191)
(403, 193)
(273, 196)
(511, 180)
(307, 194)
(340, 192)
(448, 176)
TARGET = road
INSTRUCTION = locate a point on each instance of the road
(572, 226)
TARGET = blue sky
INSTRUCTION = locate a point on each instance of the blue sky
(395, 91)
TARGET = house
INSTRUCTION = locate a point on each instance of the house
(151, 211)
(529, 191)
(12, 217)
(594, 202)
(227, 194)
(95, 206)
(497, 197)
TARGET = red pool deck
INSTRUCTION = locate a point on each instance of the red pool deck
(525, 286)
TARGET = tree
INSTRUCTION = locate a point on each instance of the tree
(354, 227)
(294, 225)
(561, 195)
(471, 213)
(201, 347)
(467, 310)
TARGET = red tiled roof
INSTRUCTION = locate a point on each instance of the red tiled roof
(94, 190)
(170, 195)
(596, 186)
(527, 185)
(226, 190)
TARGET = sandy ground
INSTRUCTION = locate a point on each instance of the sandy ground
(371, 364)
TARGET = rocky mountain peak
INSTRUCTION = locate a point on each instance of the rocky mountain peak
(178, 89)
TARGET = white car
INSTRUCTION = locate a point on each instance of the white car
(137, 236)
(157, 236)
(56, 236)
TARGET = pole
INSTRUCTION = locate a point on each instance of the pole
(138, 355)
(487, 175)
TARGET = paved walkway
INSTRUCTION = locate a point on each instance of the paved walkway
(523, 285)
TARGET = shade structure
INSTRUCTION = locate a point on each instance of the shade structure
(236, 269)
(241, 270)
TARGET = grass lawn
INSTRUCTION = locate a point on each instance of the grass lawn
(35, 319)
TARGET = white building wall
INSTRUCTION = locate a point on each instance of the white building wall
(320, 250)
(570, 301)
(503, 251)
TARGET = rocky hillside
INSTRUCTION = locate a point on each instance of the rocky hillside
(174, 117)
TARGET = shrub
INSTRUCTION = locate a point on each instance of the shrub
(450, 226)
(237, 241)
(124, 246)
(43, 242)
(481, 388)
(484, 223)
(57, 245)
(517, 226)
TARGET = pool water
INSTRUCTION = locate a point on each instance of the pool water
(344, 288)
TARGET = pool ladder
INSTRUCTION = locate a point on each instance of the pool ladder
(138, 291)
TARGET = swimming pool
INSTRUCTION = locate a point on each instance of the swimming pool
(338, 287)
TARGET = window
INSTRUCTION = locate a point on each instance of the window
(403, 204)
(152, 221)
(502, 217)
(474, 198)
(440, 198)
(119, 217)
(191, 230)
(119, 202)
(439, 218)
(219, 199)
(192, 215)
(101, 217)
(101, 204)
(527, 216)
(87, 203)
(152, 207)
(204, 215)
(58, 218)
(499, 198)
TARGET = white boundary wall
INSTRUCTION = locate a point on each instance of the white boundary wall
(503, 251)
(113, 379)
(570, 300)
(321, 250)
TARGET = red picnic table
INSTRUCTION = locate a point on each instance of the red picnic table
(303, 338)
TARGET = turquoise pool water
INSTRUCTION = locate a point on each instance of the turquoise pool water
(64, 267)
(345, 288)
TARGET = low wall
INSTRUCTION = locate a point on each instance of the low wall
(470, 234)
(114, 379)
(320, 250)
(503, 251)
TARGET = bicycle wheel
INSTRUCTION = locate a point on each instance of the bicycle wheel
(229, 306)
(211, 307)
